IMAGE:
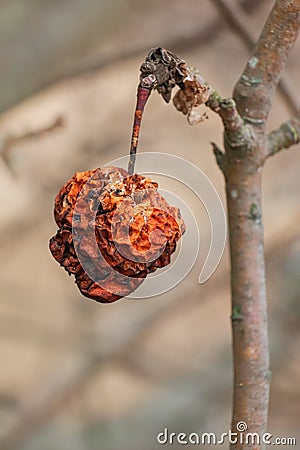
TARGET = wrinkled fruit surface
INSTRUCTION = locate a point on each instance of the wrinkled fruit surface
(114, 230)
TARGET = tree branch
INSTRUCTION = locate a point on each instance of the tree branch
(253, 94)
(10, 141)
(227, 111)
(254, 90)
(236, 133)
(285, 136)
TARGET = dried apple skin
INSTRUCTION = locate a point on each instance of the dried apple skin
(133, 227)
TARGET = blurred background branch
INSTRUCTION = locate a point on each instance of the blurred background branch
(10, 141)
(73, 43)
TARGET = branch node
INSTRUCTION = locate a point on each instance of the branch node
(236, 314)
(285, 136)
(226, 109)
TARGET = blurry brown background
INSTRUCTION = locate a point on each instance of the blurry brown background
(78, 375)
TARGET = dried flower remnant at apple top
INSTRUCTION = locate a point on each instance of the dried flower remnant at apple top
(133, 226)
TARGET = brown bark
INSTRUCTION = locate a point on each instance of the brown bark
(249, 305)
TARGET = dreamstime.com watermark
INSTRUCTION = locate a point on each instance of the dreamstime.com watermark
(242, 437)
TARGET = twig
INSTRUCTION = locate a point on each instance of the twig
(142, 96)
(238, 20)
(226, 109)
(237, 133)
(285, 136)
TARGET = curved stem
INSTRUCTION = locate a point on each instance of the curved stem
(143, 94)
(162, 70)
